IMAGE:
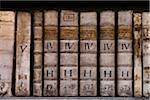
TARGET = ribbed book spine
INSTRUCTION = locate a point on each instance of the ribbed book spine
(146, 53)
(7, 30)
(37, 69)
(107, 53)
(23, 41)
(125, 60)
(137, 54)
(68, 53)
(50, 53)
(88, 54)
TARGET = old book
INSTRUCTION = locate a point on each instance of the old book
(7, 30)
(146, 53)
(23, 41)
(37, 69)
(124, 64)
(107, 53)
(88, 54)
(68, 53)
(137, 54)
(50, 53)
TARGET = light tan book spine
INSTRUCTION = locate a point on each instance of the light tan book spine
(37, 69)
(88, 54)
(23, 41)
(137, 54)
(50, 53)
(146, 53)
(68, 53)
(7, 30)
(125, 60)
(107, 53)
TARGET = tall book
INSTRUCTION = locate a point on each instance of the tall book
(7, 30)
(137, 54)
(146, 53)
(37, 69)
(88, 54)
(23, 41)
(107, 53)
(50, 53)
(68, 53)
(124, 54)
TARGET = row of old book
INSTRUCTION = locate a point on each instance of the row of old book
(69, 54)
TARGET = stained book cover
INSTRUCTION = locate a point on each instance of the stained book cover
(7, 30)
(124, 62)
(146, 52)
(37, 69)
(107, 53)
(50, 53)
(23, 41)
(88, 54)
(68, 53)
(137, 18)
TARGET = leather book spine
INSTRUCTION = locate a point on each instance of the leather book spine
(146, 52)
(23, 42)
(37, 69)
(7, 31)
(107, 53)
(68, 53)
(88, 54)
(50, 53)
(125, 53)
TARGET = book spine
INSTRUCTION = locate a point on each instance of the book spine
(146, 53)
(88, 54)
(107, 53)
(23, 41)
(50, 53)
(137, 54)
(7, 30)
(68, 53)
(124, 63)
(37, 69)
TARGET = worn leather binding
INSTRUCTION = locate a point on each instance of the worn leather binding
(88, 54)
(68, 53)
(50, 53)
(137, 18)
(107, 53)
(7, 26)
(146, 53)
(23, 41)
(125, 66)
(37, 69)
